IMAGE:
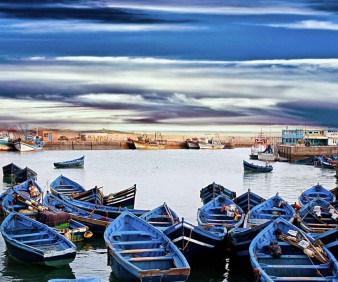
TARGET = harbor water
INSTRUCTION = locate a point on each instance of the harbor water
(171, 176)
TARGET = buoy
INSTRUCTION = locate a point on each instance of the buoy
(88, 234)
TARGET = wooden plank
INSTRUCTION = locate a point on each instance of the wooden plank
(136, 251)
(151, 258)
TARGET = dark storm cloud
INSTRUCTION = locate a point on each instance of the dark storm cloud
(72, 12)
(320, 113)
(324, 5)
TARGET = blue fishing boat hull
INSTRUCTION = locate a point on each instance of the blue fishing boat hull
(77, 163)
(241, 238)
(256, 168)
(22, 255)
(329, 239)
(216, 213)
(199, 245)
(310, 222)
(213, 190)
(248, 200)
(289, 263)
(138, 251)
(30, 241)
(64, 185)
(161, 217)
(111, 212)
(314, 192)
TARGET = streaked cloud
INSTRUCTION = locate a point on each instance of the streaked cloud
(309, 24)
(127, 91)
(77, 26)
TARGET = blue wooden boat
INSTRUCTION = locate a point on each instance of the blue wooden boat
(325, 162)
(58, 220)
(314, 192)
(329, 239)
(199, 244)
(269, 210)
(137, 251)
(282, 252)
(124, 198)
(161, 217)
(248, 200)
(317, 216)
(30, 241)
(221, 211)
(256, 220)
(76, 163)
(29, 187)
(65, 186)
(108, 211)
(213, 190)
(256, 168)
(96, 223)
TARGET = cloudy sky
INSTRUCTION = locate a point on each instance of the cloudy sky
(170, 65)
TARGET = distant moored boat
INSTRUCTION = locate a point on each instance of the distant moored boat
(76, 163)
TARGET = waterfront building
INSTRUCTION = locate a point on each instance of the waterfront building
(332, 135)
(292, 136)
(310, 137)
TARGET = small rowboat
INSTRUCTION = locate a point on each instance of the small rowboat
(213, 190)
(137, 251)
(30, 241)
(317, 216)
(108, 211)
(77, 163)
(221, 211)
(282, 252)
(65, 186)
(256, 168)
(248, 200)
(59, 221)
(314, 192)
(256, 220)
(29, 187)
(199, 244)
(161, 217)
(124, 198)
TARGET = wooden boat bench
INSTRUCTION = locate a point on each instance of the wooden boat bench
(151, 258)
(291, 278)
(39, 241)
(136, 251)
(157, 222)
(120, 233)
(138, 242)
(309, 266)
(29, 235)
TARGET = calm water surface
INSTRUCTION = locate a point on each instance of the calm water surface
(172, 176)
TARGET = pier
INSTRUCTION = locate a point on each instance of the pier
(293, 153)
